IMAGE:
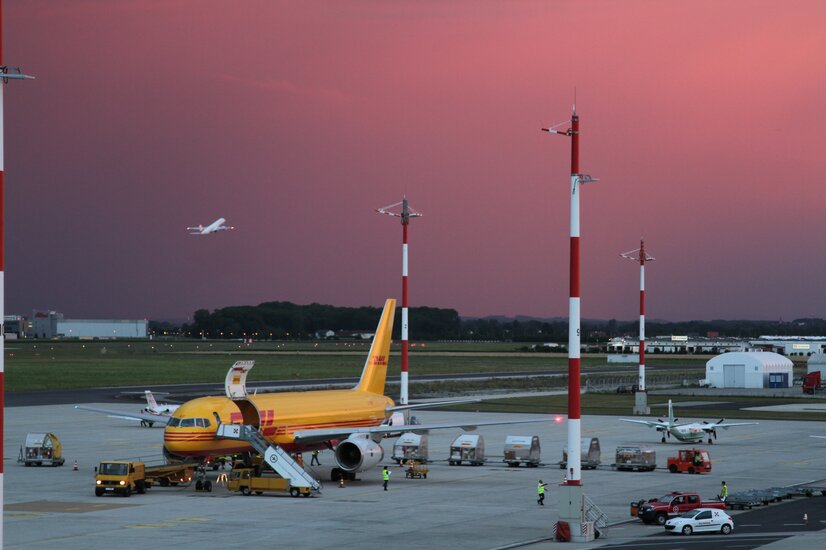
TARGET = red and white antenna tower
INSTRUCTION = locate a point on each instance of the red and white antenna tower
(405, 215)
(6, 73)
(574, 425)
(641, 256)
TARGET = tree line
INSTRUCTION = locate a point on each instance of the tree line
(286, 320)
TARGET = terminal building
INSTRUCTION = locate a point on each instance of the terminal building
(677, 344)
(791, 346)
(51, 324)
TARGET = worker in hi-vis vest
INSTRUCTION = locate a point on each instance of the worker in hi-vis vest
(724, 492)
(385, 475)
(540, 491)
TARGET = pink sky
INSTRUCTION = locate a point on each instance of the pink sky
(705, 122)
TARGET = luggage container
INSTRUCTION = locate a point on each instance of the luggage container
(41, 449)
(469, 448)
(590, 453)
(522, 449)
(410, 446)
(634, 457)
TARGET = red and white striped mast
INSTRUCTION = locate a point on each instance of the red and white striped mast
(641, 401)
(405, 215)
(574, 476)
(6, 76)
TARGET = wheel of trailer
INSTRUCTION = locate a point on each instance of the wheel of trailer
(208, 486)
(199, 486)
(294, 492)
(673, 468)
(661, 518)
(140, 486)
(245, 491)
(128, 491)
(725, 529)
(690, 470)
(687, 530)
(99, 492)
(164, 482)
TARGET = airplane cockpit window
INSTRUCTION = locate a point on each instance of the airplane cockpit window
(174, 422)
(202, 422)
(187, 423)
(207, 423)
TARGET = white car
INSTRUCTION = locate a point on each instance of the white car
(699, 520)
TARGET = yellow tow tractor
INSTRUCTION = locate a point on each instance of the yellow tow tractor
(250, 480)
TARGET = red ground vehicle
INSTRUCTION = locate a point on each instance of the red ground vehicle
(658, 510)
(812, 382)
(693, 461)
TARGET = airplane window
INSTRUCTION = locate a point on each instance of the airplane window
(207, 423)
(199, 422)
(187, 422)
(174, 422)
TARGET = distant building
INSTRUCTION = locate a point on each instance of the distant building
(676, 344)
(14, 326)
(51, 324)
(752, 369)
(791, 346)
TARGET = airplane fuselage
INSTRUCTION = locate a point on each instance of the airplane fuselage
(191, 431)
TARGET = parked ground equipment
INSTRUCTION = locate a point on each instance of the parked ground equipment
(591, 455)
(522, 449)
(416, 470)
(410, 446)
(693, 461)
(660, 509)
(469, 448)
(251, 480)
(633, 457)
(41, 449)
(812, 382)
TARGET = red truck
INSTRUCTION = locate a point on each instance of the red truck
(693, 461)
(659, 510)
(812, 382)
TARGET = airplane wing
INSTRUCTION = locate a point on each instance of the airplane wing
(711, 427)
(431, 404)
(145, 417)
(649, 423)
(326, 434)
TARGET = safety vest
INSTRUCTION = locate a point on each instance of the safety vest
(385, 475)
(724, 491)
(540, 489)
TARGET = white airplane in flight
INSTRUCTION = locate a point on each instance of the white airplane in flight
(217, 225)
(694, 432)
(153, 412)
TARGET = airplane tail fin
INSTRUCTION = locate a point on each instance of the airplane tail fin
(374, 374)
(670, 413)
(150, 401)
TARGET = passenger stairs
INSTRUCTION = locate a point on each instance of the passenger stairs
(593, 513)
(275, 457)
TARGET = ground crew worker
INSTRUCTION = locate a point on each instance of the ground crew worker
(385, 475)
(540, 491)
(724, 492)
(698, 459)
(315, 461)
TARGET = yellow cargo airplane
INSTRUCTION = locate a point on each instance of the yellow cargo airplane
(351, 421)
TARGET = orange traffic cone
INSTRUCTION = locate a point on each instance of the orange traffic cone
(805, 519)
(341, 482)
(75, 468)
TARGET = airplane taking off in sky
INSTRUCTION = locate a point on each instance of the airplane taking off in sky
(694, 432)
(350, 421)
(153, 412)
(217, 225)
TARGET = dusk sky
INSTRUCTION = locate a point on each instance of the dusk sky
(705, 122)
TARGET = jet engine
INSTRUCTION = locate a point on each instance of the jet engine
(358, 452)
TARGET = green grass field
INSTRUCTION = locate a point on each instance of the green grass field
(41, 365)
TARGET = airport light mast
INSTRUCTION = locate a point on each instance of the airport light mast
(571, 503)
(405, 215)
(641, 395)
(6, 73)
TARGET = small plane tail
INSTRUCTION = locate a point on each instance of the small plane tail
(670, 413)
(152, 405)
(374, 374)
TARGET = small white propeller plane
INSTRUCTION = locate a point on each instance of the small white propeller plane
(694, 432)
(217, 225)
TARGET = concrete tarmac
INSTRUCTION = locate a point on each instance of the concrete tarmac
(457, 507)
